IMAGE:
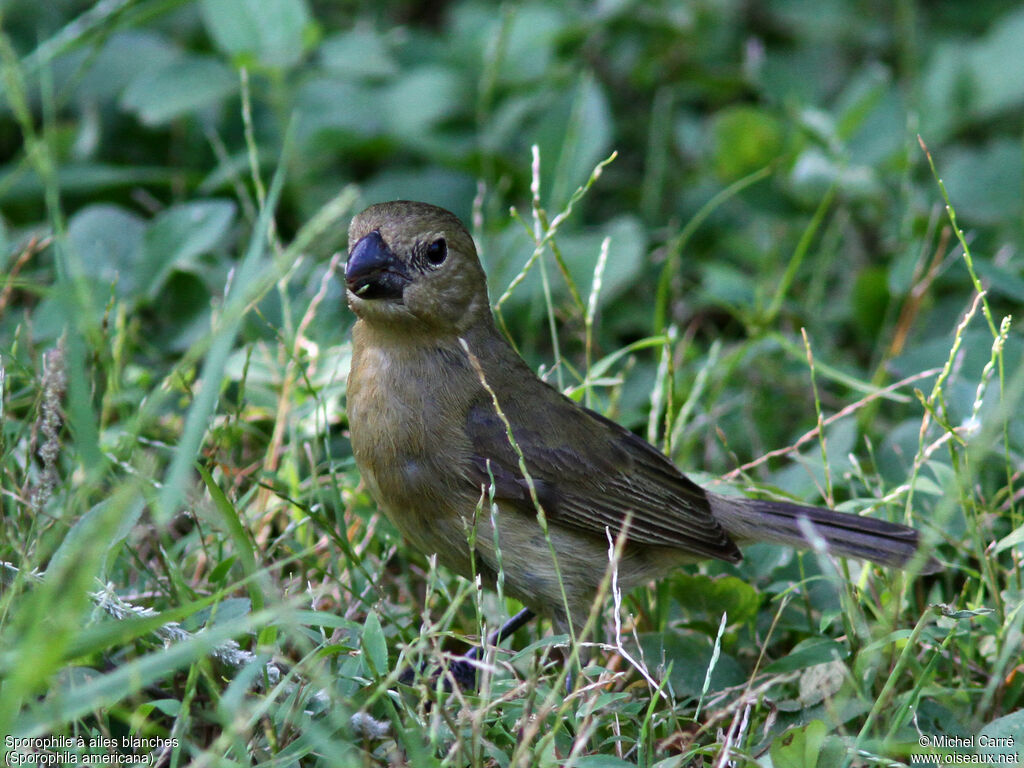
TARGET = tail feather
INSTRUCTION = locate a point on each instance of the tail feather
(779, 522)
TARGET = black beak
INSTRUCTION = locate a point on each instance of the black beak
(373, 271)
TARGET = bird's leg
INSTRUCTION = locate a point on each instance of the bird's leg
(518, 621)
(463, 669)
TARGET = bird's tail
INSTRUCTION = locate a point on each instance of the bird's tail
(889, 544)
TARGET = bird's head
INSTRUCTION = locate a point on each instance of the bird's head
(414, 266)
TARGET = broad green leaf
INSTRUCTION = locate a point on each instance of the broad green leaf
(689, 655)
(530, 41)
(182, 233)
(118, 62)
(581, 130)
(967, 81)
(626, 251)
(374, 645)
(808, 746)
(984, 182)
(816, 650)
(274, 33)
(724, 285)
(1012, 539)
(107, 242)
(1003, 736)
(707, 599)
(185, 307)
(84, 178)
(227, 610)
(326, 104)
(1000, 279)
(814, 173)
(745, 139)
(997, 65)
(184, 85)
(103, 527)
(528, 32)
(870, 299)
(422, 98)
(358, 52)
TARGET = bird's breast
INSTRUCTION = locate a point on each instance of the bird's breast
(407, 407)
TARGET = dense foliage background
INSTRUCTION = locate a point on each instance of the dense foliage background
(765, 265)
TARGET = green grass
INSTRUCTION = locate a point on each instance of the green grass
(785, 300)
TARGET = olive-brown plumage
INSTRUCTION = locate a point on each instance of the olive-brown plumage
(431, 444)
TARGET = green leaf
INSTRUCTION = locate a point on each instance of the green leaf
(117, 62)
(527, 31)
(690, 655)
(946, 90)
(374, 645)
(583, 135)
(170, 707)
(232, 521)
(244, 286)
(529, 40)
(322, 619)
(870, 299)
(226, 610)
(102, 528)
(330, 104)
(1012, 539)
(708, 598)
(449, 189)
(107, 241)
(186, 84)
(807, 747)
(999, 279)
(421, 98)
(814, 173)
(745, 139)
(359, 52)
(601, 761)
(676, 761)
(627, 249)
(182, 233)
(817, 650)
(1003, 736)
(84, 178)
(274, 33)
(185, 307)
(984, 182)
(805, 478)
(723, 285)
(550, 641)
(997, 65)
(220, 571)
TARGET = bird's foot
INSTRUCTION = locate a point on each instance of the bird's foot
(461, 670)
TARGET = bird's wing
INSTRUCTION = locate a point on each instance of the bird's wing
(589, 473)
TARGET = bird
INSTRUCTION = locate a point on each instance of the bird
(447, 421)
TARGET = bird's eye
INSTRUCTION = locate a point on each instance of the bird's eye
(437, 252)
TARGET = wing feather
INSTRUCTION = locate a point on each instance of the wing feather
(596, 477)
